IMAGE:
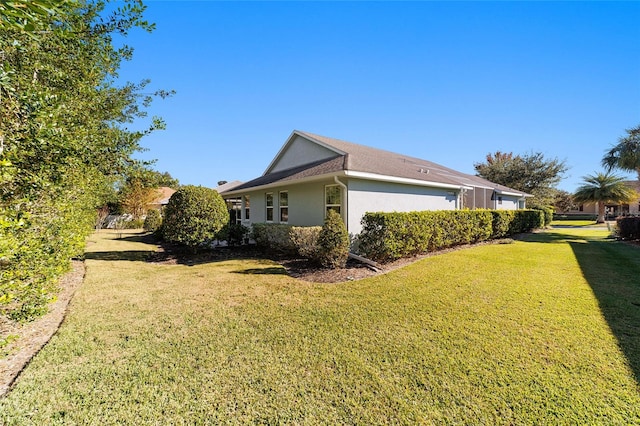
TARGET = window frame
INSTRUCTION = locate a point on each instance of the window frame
(268, 207)
(246, 200)
(283, 207)
(332, 206)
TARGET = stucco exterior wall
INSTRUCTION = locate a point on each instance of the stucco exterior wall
(301, 151)
(371, 196)
(508, 202)
(306, 204)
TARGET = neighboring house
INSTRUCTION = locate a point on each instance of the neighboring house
(164, 193)
(612, 210)
(312, 174)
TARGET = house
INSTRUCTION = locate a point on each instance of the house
(612, 210)
(312, 174)
(162, 198)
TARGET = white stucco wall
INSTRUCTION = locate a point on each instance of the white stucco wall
(508, 202)
(371, 196)
(299, 152)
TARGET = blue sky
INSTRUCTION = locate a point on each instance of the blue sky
(448, 82)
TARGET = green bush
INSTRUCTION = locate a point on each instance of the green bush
(305, 240)
(389, 236)
(273, 237)
(628, 228)
(194, 216)
(233, 233)
(153, 221)
(333, 242)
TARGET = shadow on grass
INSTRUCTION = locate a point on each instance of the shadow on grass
(127, 255)
(612, 269)
(273, 270)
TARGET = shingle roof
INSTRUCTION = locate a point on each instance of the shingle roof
(360, 158)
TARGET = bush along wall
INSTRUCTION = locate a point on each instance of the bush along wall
(389, 236)
(287, 239)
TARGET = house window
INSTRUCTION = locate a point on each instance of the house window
(269, 203)
(284, 206)
(499, 200)
(332, 198)
(246, 207)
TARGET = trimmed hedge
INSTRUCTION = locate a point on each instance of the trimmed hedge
(390, 236)
(287, 239)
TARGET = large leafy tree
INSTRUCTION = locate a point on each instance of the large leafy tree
(603, 188)
(626, 154)
(531, 173)
(64, 136)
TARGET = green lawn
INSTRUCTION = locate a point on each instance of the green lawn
(541, 331)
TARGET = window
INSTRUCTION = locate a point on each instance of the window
(332, 198)
(284, 206)
(246, 207)
(499, 200)
(269, 203)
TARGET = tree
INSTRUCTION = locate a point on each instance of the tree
(194, 216)
(136, 198)
(626, 154)
(531, 173)
(64, 136)
(140, 190)
(564, 201)
(604, 188)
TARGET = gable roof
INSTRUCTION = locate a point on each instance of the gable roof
(357, 160)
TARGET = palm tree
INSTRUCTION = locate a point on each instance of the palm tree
(626, 154)
(604, 188)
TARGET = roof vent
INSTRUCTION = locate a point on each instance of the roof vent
(425, 171)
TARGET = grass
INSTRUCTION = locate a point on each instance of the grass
(577, 223)
(541, 331)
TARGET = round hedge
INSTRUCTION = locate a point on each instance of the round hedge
(194, 216)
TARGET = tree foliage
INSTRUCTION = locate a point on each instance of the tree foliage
(531, 173)
(194, 216)
(604, 188)
(626, 154)
(564, 201)
(64, 137)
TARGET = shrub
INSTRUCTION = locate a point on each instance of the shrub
(153, 221)
(333, 242)
(273, 237)
(305, 240)
(390, 236)
(133, 224)
(194, 216)
(628, 228)
(233, 233)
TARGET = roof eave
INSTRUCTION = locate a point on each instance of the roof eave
(280, 183)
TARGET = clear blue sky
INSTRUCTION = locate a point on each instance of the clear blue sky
(445, 81)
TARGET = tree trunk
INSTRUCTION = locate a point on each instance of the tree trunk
(600, 212)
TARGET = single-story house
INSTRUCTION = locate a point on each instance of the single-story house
(312, 174)
(612, 210)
